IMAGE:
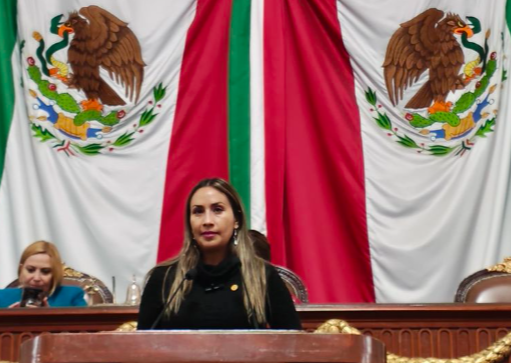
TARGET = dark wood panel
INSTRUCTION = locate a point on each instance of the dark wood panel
(436, 330)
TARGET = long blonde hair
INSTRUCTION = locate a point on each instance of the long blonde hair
(40, 247)
(252, 267)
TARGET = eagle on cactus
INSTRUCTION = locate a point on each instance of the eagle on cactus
(427, 42)
(101, 40)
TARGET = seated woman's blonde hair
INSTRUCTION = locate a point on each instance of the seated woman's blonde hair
(50, 249)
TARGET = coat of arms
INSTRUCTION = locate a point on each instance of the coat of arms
(454, 104)
(84, 82)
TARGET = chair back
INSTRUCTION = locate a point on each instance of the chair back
(492, 285)
(294, 284)
(95, 290)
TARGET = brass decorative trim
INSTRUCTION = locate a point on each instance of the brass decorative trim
(493, 354)
(126, 327)
(71, 272)
(502, 267)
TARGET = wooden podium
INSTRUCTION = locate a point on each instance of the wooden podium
(202, 346)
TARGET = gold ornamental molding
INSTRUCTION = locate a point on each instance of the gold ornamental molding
(493, 354)
(502, 267)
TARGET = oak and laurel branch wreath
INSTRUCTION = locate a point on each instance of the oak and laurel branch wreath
(383, 121)
(146, 118)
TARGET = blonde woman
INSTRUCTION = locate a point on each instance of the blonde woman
(216, 281)
(40, 267)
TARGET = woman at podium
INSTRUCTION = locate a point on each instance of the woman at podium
(216, 281)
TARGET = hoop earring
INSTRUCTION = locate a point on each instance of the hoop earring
(235, 238)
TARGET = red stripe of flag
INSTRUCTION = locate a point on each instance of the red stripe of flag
(275, 122)
(198, 146)
(314, 171)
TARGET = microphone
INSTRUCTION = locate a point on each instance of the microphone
(189, 276)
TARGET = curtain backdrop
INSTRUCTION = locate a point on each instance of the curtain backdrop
(371, 145)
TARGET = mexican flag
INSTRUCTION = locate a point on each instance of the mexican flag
(370, 145)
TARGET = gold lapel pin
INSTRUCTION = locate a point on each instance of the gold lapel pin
(234, 287)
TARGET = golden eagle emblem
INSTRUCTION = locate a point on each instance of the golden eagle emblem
(101, 40)
(102, 46)
(426, 43)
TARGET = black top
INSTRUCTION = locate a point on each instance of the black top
(216, 300)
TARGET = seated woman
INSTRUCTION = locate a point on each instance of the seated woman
(216, 281)
(41, 267)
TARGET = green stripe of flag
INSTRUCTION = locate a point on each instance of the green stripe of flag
(7, 41)
(508, 14)
(239, 100)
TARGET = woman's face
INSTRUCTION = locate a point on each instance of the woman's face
(36, 272)
(213, 223)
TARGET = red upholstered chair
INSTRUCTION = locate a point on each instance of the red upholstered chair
(492, 285)
(96, 291)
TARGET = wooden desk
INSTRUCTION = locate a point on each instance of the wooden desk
(202, 346)
(430, 330)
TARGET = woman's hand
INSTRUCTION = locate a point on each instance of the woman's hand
(44, 304)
